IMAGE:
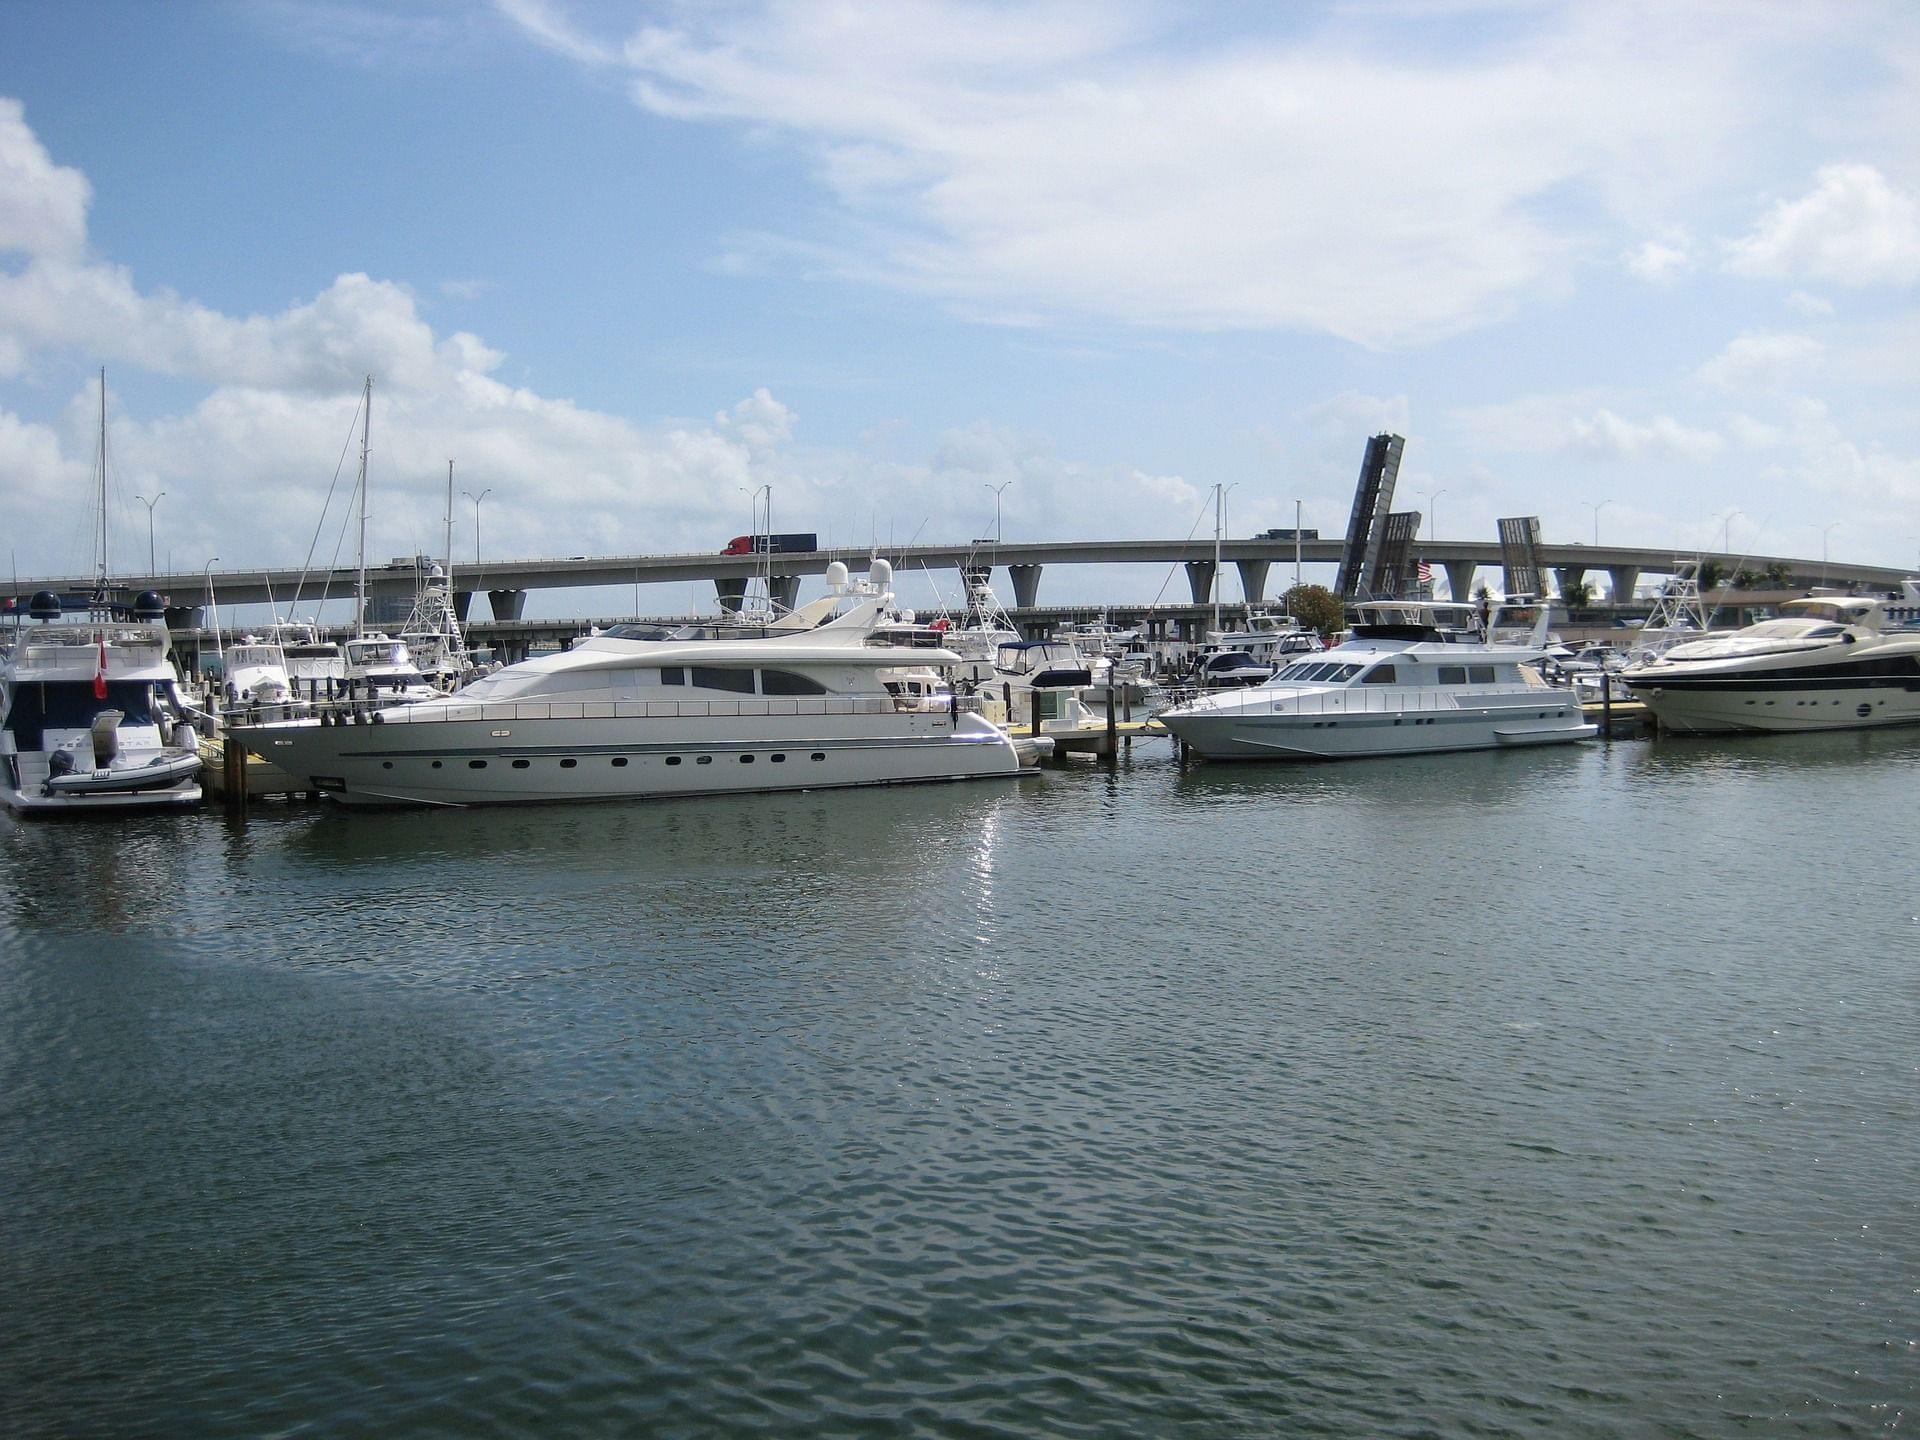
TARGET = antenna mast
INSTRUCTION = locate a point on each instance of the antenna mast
(360, 583)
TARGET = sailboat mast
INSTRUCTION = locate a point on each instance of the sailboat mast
(101, 579)
(360, 583)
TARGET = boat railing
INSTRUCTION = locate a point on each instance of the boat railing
(434, 713)
(1376, 700)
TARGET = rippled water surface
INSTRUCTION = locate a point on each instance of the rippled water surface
(1572, 1092)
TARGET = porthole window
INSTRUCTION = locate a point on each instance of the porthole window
(436, 764)
(386, 764)
(777, 758)
(521, 764)
(619, 761)
(476, 764)
(819, 754)
(704, 760)
(746, 759)
(568, 763)
(673, 759)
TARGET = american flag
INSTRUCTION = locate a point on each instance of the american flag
(1425, 572)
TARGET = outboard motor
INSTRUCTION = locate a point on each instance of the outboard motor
(106, 737)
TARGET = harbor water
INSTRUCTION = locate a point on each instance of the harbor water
(1572, 1092)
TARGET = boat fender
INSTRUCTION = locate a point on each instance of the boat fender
(376, 718)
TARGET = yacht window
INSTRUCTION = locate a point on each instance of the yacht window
(1342, 672)
(703, 760)
(786, 682)
(1453, 674)
(673, 675)
(1379, 675)
(714, 677)
(673, 759)
(1480, 674)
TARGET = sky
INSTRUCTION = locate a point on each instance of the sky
(1647, 271)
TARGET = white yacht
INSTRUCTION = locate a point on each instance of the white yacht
(800, 703)
(380, 668)
(257, 678)
(1036, 685)
(1403, 682)
(1825, 663)
(89, 722)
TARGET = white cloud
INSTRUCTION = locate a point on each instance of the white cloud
(1812, 306)
(1658, 262)
(43, 206)
(1046, 162)
(1549, 424)
(1852, 228)
(760, 421)
(1760, 361)
(552, 29)
(1352, 413)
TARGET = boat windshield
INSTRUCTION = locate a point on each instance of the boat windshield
(1315, 672)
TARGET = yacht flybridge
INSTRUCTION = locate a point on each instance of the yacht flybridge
(802, 702)
(1824, 663)
(1411, 678)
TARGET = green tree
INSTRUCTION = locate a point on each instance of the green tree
(1779, 574)
(1746, 579)
(1577, 595)
(1710, 575)
(1316, 606)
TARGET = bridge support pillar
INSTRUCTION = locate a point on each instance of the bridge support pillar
(1253, 579)
(1460, 579)
(1200, 577)
(507, 604)
(1569, 576)
(732, 592)
(1026, 585)
(783, 590)
(462, 603)
(1623, 578)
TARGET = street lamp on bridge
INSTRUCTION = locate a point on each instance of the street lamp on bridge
(1433, 525)
(150, 504)
(1823, 549)
(1726, 529)
(1596, 508)
(476, 520)
(997, 490)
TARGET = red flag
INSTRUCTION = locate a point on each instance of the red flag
(100, 672)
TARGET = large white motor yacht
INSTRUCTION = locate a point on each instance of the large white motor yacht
(89, 720)
(1402, 683)
(1825, 663)
(801, 703)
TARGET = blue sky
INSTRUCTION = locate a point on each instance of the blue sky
(625, 264)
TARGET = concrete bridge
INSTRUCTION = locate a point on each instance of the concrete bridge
(506, 582)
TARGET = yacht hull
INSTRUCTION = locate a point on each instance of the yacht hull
(1732, 706)
(1321, 735)
(505, 759)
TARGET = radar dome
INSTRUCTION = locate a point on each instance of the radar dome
(45, 605)
(148, 605)
(880, 573)
(837, 574)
